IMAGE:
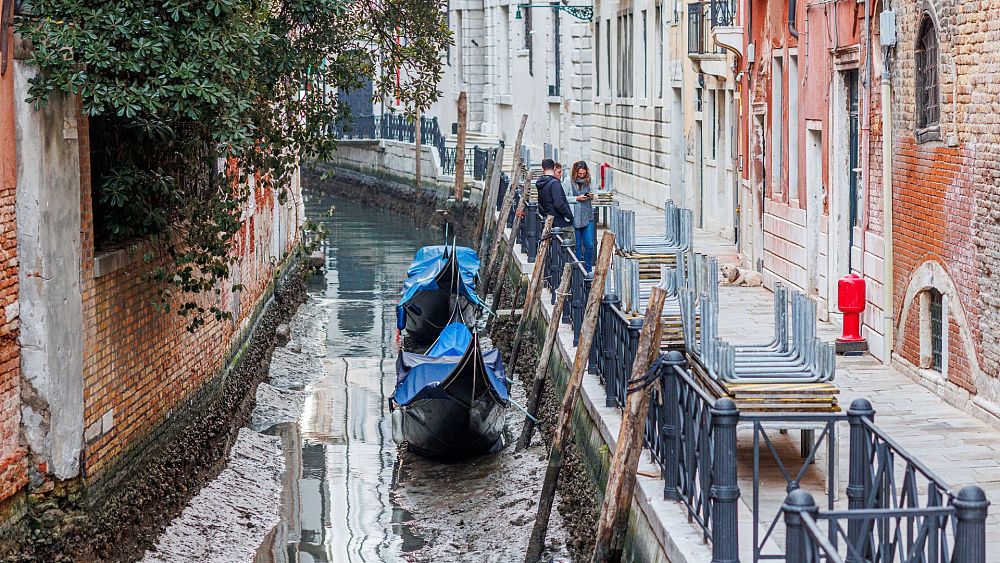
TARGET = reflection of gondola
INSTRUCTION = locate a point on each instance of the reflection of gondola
(441, 280)
(451, 401)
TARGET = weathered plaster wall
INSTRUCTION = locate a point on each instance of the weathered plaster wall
(48, 225)
(13, 465)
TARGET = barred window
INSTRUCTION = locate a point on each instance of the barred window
(928, 100)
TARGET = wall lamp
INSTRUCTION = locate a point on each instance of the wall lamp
(578, 11)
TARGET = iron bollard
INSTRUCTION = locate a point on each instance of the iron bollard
(859, 476)
(578, 300)
(725, 491)
(531, 234)
(671, 426)
(971, 507)
(797, 539)
(554, 269)
(588, 282)
(608, 356)
(518, 194)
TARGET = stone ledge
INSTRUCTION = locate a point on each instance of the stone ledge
(111, 261)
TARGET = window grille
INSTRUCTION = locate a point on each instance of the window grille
(928, 107)
(937, 329)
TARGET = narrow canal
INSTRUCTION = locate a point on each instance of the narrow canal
(346, 493)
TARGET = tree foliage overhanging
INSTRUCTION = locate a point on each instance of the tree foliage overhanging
(175, 86)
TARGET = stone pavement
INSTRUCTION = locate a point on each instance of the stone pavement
(960, 448)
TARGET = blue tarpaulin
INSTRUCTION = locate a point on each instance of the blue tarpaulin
(417, 372)
(425, 267)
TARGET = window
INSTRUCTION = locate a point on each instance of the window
(597, 62)
(928, 108)
(607, 52)
(625, 51)
(556, 39)
(459, 51)
(645, 58)
(527, 40)
(658, 57)
(504, 66)
(777, 123)
(936, 310)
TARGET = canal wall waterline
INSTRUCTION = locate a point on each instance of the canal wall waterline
(658, 530)
(433, 206)
(179, 455)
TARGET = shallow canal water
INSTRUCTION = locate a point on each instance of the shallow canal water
(347, 495)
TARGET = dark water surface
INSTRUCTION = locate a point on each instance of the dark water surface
(347, 496)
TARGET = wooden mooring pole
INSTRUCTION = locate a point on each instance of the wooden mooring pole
(504, 209)
(492, 168)
(509, 251)
(537, 542)
(538, 384)
(534, 288)
(419, 151)
(621, 480)
(463, 116)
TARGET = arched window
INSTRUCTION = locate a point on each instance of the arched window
(928, 105)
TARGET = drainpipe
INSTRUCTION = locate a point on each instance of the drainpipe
(887, 269)
(791, 19)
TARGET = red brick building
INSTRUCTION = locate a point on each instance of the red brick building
(92, 376)
(13, 461)
(946, 165)
(812, 138)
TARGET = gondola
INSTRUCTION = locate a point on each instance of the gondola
(451, 401)
(440, 281)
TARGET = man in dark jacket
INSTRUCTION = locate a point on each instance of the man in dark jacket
(551, 197)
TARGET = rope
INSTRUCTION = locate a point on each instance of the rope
(524, 410)
(652, 375)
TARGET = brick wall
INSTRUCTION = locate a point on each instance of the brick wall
(13, 462)
(142, 369)
(946, 191)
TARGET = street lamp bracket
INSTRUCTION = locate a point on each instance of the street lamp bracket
(579, 11)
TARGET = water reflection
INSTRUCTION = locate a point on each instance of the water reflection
(336, 503)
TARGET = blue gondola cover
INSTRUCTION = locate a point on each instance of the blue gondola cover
(425, 267)
(418, 372)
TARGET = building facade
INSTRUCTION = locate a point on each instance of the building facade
(93, 378)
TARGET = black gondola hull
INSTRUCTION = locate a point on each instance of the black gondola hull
(430, 311)
(443, 427)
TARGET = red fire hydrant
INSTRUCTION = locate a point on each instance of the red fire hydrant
(851, 298)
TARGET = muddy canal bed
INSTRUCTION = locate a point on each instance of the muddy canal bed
(317, 476)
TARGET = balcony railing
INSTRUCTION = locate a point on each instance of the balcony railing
(723, 12)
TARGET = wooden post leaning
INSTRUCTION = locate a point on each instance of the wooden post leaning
(534, 288)
(625, 462)
(492, 167)
(504, 207)
(419, 151)
(463, 116)
(537, 542)
(509, 251)
(538, 384)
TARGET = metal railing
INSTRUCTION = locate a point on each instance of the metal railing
(723, 12)
(398, 127)
(898, 510)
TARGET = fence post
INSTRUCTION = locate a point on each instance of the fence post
(970, 529)
(588, 282)
(609, 301)
(725, 491)
(672, 426)
(859, 473)
(530, 246)
(797, 539)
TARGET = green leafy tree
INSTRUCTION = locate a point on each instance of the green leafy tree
(174, 87)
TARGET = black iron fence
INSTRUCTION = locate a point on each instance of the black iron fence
(723, 12)
(398, 127)
(898, 510)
